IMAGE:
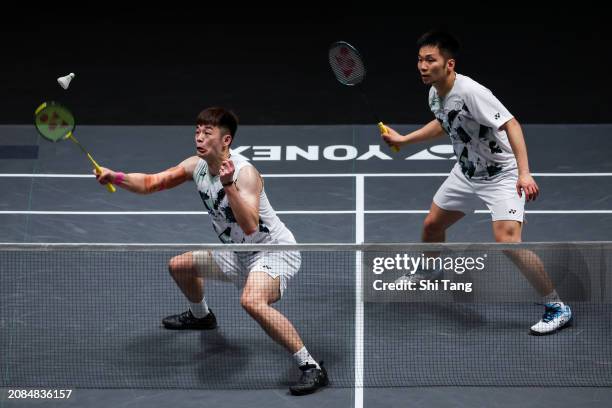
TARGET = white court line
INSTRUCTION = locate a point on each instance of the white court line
(155, 212)
(488, 211)
(312, 175)
(315, 212)
(359, 318)
(557, 212)
(49, 175)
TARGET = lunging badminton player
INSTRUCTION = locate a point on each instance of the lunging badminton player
(492, 165)
(232, 192)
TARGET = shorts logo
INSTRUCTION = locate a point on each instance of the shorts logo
(512, 211)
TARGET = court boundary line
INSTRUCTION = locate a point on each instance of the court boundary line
(315, 175)
(281, 212)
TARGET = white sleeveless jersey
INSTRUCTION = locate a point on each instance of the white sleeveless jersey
(271, 229)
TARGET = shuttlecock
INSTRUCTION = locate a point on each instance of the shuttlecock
(65, 80)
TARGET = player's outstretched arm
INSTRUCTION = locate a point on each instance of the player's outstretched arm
(149, 183)
(430, 131)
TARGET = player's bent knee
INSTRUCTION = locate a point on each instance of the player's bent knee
(252, 304)
(180, 264)
(205, 265)
(174, 265)
(431, 226)
(248, 303)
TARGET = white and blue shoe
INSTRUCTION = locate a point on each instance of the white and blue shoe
(556, 316)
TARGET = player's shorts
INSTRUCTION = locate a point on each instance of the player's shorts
(458, 193)
(236, 266)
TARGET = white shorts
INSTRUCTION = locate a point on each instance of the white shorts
(458, 193)
(236, 266)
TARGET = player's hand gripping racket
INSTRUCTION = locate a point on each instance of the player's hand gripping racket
(349, 69)
(55, 122)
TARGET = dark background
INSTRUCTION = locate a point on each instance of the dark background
(132, 70)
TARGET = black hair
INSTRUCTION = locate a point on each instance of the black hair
(446, 42)
(220, 117)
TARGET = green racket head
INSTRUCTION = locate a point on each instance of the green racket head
(53, 121)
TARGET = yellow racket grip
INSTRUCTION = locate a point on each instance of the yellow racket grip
(109, 186)
(383, 129)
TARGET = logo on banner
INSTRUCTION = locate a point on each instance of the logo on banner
(337, 153)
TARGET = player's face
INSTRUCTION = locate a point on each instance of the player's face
(210, 141)
(432, 65)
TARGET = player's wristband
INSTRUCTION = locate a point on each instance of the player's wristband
(119, 177)
(229, 183)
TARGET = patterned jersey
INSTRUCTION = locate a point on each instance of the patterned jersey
(471, 115)
(271, 229)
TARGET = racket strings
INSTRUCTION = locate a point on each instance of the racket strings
(346, 63)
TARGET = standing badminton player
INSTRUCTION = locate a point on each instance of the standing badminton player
(492, 165)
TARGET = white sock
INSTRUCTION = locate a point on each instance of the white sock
(199, 310)
(552, 297)
(302, 356)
